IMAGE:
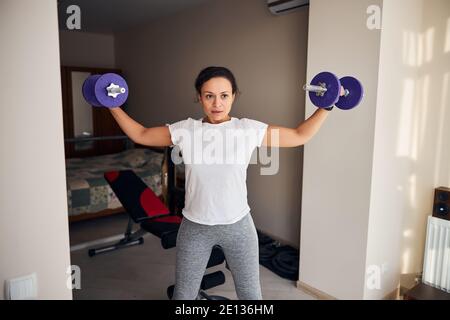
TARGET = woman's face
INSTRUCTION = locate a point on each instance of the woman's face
(217, 98)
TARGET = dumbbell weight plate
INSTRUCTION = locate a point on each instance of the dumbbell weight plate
(89, 92)
(356, 93)
(102, 94)
(96, 94)
(333, 86)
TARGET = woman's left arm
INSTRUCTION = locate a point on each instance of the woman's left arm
(294, 137)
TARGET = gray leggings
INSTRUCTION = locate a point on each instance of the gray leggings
(239, 242)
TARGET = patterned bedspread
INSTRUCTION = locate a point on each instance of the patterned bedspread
(88, 191)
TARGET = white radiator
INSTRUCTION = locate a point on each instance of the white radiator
(436, 264)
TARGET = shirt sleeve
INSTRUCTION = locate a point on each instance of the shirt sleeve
(259, 127)
(177, 131)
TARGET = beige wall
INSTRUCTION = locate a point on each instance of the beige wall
(430, 147)
(33, 205)
(268, 56)
(84, 49)
(337, 168)
(414, 100)
(392, 168)
(391, 154)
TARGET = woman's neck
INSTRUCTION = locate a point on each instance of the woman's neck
(206, 119)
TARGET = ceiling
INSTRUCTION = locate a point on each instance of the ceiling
(107, 16)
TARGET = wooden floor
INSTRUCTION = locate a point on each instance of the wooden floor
(145, 271)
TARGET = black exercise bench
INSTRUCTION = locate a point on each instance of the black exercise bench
(147, 210)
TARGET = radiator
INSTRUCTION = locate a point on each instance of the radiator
(436, 264)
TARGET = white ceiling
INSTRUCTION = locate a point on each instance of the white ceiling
(106, 16)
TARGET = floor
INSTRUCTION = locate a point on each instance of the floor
(145, 271)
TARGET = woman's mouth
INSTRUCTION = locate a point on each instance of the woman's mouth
(216, 112)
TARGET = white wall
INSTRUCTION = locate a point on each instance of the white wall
(430, 147)
(337, 162)
(33, 205)
(413, 109)
(392, 169)
(84, 49)
(268, 57)
(376, 166)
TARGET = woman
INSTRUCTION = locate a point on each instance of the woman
(216, 151)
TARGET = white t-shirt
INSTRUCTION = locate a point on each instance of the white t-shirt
(216, 157)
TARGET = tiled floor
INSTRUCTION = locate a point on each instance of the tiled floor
(145, 271)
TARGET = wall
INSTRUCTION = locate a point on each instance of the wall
(33, 204)
(433, 148)
(414, 157)
(268, 56)
(337, 168)
(84, 49)
(392, 169)
(372, 226)
(429, 147)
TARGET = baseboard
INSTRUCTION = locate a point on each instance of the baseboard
(314, 292)
(394, 295)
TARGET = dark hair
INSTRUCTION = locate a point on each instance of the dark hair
(215, 72)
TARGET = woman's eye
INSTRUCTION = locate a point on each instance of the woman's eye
(224, 96)
(208, 96)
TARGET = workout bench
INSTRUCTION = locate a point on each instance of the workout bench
(147, 210)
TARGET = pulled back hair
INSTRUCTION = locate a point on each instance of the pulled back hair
(215, 72)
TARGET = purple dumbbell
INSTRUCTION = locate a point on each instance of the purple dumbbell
(353, 95)
(326, 90)
(108, 90)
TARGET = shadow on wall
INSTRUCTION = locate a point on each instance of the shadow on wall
(422, 147)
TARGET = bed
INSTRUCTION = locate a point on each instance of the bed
(89, 195)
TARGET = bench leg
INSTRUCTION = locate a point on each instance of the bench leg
(130, 239)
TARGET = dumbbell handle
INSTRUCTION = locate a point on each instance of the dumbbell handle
(114, 90)
(317, 89)
(321, 90)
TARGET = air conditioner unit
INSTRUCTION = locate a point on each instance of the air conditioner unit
(279, 7)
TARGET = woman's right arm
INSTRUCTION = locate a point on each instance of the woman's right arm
(155, 137)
